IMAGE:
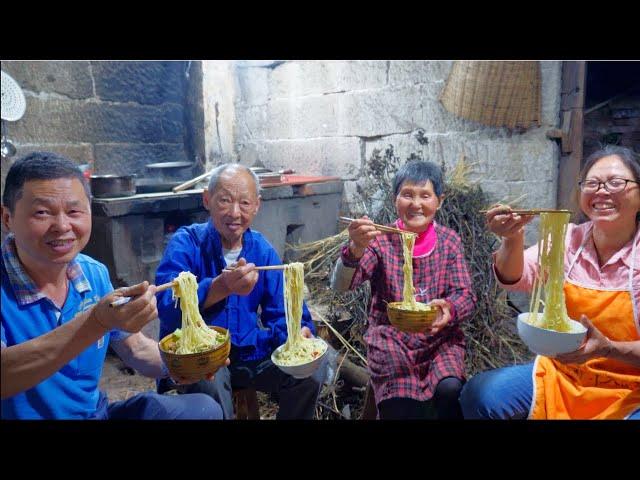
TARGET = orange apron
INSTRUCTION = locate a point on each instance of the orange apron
(600, 388)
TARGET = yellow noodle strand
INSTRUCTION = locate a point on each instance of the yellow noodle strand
(550, 279)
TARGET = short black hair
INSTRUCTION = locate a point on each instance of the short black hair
(38, 166)
(626, 156)
(418, 172)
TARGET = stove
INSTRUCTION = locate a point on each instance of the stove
(130, 234)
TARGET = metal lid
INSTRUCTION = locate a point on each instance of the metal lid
(170, 165)
(110, 175)
(13, 101)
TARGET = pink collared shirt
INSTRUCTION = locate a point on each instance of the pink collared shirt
(586, 271)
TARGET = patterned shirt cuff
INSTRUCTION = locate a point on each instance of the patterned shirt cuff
(348, 260)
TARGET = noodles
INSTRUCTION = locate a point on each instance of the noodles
(553, 229)
(408, 298)
(195, 336)
(408, 291)
(297, 350)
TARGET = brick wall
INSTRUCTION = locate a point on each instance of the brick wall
(115, 116)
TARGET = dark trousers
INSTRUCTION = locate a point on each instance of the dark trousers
(444, 405)
(296, 397)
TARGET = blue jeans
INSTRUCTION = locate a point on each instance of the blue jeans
(503, 393)
(152, 406)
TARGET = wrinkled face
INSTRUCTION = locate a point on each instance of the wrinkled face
(417, 204)
(605, 208)
(233, 205)
(51, 222)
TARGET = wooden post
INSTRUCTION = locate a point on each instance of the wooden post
(571, 114)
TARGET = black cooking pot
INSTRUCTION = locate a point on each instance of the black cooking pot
(107, 186)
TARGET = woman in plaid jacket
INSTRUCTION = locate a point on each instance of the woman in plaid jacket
(411, 370)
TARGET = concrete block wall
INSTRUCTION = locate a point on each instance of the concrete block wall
(327, 117)
(115, 116)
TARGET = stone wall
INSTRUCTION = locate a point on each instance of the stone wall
(327, 117)
(115, 116)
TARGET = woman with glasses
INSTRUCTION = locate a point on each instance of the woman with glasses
(600, 380)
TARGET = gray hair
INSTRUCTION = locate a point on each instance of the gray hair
(220, 169)
(419, 172)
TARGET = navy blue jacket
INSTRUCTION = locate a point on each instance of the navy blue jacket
(197, 248)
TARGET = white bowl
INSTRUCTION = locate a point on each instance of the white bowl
(549, 342)
(304, 370)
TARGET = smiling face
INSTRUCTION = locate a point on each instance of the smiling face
(51, 222)
(233, 205)
(611, 209)
(417, 204)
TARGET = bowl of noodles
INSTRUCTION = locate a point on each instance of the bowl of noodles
(301, 359)
(414, 318)
(548, 342)
(199, 363)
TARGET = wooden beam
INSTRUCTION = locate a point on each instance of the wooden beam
(572, 115)
(566, 131)
(555, 134)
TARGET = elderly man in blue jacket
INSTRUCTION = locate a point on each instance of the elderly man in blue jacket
(247, 302)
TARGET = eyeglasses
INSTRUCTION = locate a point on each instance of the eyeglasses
(613, 185)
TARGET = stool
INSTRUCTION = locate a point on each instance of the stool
(245, 404)
(370, 409)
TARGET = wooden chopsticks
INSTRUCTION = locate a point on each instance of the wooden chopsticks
(533, 211)
(382, 228)
(124, 300)
(165, 286)
(267, 267)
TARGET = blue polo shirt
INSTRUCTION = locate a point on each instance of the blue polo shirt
(72, 392)
(197, 249)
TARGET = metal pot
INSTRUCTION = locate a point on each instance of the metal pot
(167, 171)
(151, 185)
(106, 186)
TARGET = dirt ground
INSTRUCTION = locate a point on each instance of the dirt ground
(120, 382)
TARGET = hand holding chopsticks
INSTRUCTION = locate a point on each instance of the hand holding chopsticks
(124, 300)
(508, 223)
(139, 311)
(382, 228)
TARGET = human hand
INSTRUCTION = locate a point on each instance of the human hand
(306, 332)
(443, 315)
(361, 232)
(131, 316)
(190, 380)
(504, 223)
(595, 345)
(239, 280)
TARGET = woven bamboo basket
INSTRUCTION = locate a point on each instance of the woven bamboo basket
(195, 364)
(498, 94)
(410, 321)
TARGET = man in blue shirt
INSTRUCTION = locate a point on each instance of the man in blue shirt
(247, 302)
(56, 316)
